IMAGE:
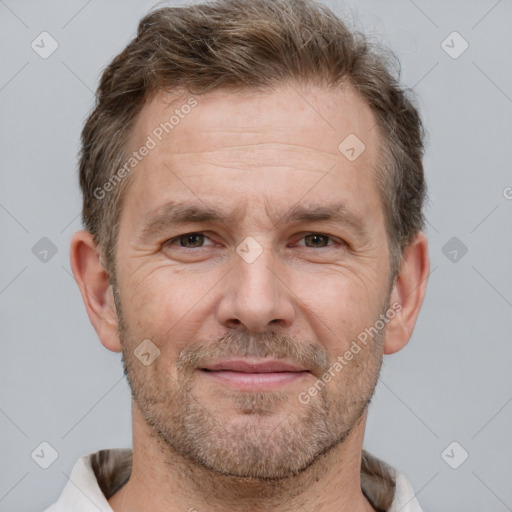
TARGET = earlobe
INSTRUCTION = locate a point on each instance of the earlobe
(95, 288)
(409, 291)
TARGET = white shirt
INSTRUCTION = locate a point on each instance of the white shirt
(83, 493)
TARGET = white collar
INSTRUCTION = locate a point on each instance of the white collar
(83, 492)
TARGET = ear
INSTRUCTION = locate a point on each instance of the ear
(409, 291)
(94, 284)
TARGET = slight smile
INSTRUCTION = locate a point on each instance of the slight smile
(254, 374)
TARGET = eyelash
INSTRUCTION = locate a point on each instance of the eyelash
(336, 241)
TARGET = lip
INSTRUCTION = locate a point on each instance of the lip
(251, 375)
(253, 366)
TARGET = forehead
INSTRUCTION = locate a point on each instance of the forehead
(324, 117)
(283, 140)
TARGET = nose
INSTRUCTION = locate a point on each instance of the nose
(256, 296)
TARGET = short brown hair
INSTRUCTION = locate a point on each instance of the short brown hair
(256, 44)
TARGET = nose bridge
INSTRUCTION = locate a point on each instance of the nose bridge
(254, 272)
(254, 296)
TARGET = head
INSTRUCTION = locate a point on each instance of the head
(253, 188)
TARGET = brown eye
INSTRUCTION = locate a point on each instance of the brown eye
(317, 240)
(189, 241)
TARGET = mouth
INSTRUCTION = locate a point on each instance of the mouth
(247, 374)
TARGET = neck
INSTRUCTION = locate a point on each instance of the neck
(163, 480)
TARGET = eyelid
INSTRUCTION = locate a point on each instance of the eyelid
(177, 238)
(335, 240)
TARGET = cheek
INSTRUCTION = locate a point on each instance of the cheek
(340, 308)
(166, 307)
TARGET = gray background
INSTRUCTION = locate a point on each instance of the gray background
(451, 383)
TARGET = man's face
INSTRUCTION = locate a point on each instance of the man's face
(275, 282)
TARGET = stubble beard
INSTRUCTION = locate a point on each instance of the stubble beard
(260, 442)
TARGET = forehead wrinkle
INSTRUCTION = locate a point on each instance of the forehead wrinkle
(261, 146)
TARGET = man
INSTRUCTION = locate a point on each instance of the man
(253, 192)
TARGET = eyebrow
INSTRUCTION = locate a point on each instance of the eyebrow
(175, 213)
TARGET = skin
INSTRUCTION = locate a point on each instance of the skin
(201, 443)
